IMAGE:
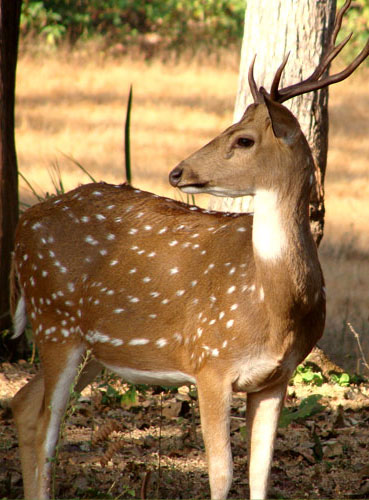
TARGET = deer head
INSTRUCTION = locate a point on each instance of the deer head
(257, 153)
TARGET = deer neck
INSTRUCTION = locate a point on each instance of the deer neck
(287, 267)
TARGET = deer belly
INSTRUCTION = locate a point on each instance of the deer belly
(257, 373)
(157, 377)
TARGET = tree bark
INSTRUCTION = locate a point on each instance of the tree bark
(9, 31)
(272, 29)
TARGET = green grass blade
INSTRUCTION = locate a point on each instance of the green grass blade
(127, 139)
(40, 198)
(56, 179)
(80, 166)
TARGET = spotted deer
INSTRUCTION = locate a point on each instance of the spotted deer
(166, 293)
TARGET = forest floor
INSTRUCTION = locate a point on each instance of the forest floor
(152, 448)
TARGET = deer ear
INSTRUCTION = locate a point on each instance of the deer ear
(285, 126)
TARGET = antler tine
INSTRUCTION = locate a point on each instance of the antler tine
(253, 87)
(328, 58)
(277, 77)
(308, 86)
(313, 82)
(338, 21)
(333, 51)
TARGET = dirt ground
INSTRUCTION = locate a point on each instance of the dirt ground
(153, 448)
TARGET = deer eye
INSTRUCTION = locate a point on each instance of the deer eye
(245, 142)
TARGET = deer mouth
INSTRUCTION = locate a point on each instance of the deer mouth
(194, 188)
(206, 188)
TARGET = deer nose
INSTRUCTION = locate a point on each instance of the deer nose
(175, 176)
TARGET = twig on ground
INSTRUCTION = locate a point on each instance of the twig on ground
(145, 484)
(357, 337)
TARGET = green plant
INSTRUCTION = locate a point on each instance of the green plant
(307, 408)
(342, 379)
(127, 138)
(305, 374)
(111, 396)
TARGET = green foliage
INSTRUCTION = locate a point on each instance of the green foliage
(113, 397)
(176, 23)
(342, 379)
(305, 374)
(356, 21)
(307, 408)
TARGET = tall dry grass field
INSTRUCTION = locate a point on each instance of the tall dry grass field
(74, 104)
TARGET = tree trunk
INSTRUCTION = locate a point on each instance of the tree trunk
(272, 29)
(9, 30)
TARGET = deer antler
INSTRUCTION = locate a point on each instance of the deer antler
(314, 81)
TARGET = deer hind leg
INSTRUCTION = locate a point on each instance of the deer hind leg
(263, 410)
(214, 399)
(26, 406)
(39, 424)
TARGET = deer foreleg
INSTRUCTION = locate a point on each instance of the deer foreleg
(263, 410)
(214, 399)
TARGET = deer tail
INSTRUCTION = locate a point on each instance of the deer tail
(17, 303)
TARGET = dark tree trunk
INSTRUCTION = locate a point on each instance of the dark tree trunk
(9, 31)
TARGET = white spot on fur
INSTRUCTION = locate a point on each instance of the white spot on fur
(140, 341)
(89, 239)
(161, 342)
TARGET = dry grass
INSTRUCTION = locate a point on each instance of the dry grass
(75, 104)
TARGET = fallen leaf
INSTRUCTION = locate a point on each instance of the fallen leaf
(172, 410)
